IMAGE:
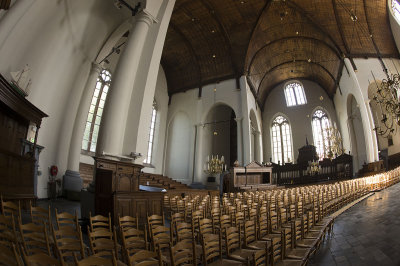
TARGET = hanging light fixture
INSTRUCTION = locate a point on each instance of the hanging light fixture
(387, 96)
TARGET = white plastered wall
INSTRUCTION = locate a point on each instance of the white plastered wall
(299, 116)
(357, 84)
(197, 109)
(58, 40)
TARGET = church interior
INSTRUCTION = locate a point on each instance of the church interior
(199, 132)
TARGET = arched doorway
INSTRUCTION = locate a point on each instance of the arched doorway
(219, 136)
(356, 132)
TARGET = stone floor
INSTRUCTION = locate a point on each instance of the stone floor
(366, 234)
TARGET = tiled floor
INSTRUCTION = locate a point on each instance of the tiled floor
(366, 234)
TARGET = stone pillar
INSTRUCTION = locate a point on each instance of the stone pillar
(198, 165)
(81, 117)
(239, 127)
(112, 130)
(364, 113)
(72, 181)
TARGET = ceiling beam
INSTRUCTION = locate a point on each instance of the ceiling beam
(297, 8)
(215, 16)
(339, 25)
(190, 46)
(337, 52)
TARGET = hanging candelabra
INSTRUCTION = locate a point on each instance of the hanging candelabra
(313, 167)
(215, 165)
(387, 97)
(335, 140)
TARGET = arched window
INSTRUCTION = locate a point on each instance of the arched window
(281, 140)
(149, 156)
(396, 9)
(96, 111)
(294, 94)
(321, 130)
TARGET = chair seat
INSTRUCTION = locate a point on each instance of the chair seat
(289, 262)
(306, 243)
(242, 254)
(270, 236)
(259, 245)
(298, 253)
(224, 262)
(313, 234)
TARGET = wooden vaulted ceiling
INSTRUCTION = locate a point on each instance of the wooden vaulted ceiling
(272, 41)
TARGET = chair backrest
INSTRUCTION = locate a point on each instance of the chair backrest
(9, 208)
(128, 222)
(182, 253)
(184, 231)
(68, 241)
(96, 260)
(161, 237)
(206, 226)
(67, 219)
(41, 259)
(9, 255)
(211, 247)
(263, 226)
(146, 258)
(249, 232)
(260, 257)
(40, 215)
(34, 238)
(100, 222)
(276, 249)
(7, 230)
(232, 239)
(103, 242)
(154, 220)
(134, 240)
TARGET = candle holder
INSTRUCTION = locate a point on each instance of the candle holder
(214, 165)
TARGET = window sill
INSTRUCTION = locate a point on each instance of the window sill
(148, 165)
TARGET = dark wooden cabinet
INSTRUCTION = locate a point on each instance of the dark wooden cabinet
(117, 191)
(17, 164)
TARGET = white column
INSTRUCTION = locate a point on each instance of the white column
(81, 117)
(373, 132)
(115, 115)
(198, 170)
(239, 139)
(364, 113)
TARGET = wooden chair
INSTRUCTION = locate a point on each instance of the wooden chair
(146, 258)
(133, 240)
(100, 222)
(103, 243)
(250, 237)
(128, 222)
(8, 233)
(277, 258)
(260, 257)
(185, 233)
(161, 238)
(67, 219)
(41, 259)
(40, 215)
(96, 260)
(234, 250)
(9, 208)
(289, 249)
(9, 255)
(34, 239)
(68, 242)
(182, 253)
(212, 251)
(154, 220)
(206, 226)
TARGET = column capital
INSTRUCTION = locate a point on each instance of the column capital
(238, 119)
(146, 17)
(96, 67)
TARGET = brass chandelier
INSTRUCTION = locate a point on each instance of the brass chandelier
(387, 97)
